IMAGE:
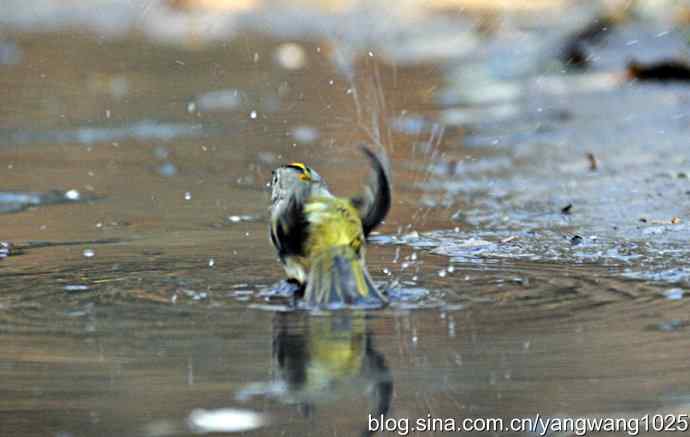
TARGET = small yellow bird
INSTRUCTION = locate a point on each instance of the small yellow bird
(321, 238)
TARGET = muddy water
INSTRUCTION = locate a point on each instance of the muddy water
(142, 298)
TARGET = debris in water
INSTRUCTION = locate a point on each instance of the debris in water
(663, 71)
(576, 240)
(593, 163)
(225, 420)
(574, 51)
(575, 55)
(567, 209)
(673, 221)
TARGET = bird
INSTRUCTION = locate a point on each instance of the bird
(321, 239)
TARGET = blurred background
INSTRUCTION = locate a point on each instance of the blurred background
(537, 243)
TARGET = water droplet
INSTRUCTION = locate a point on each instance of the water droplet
(290, 56)
(252, 115)
(187, 196)
(211, 262)
(191, 107)
(450, 269)
(88, 253)
(72, 195)
(442, 273)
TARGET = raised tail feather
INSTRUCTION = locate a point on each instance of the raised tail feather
(338, 276)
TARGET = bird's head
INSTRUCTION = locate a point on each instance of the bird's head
(293, 178)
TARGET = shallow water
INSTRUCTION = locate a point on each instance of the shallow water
(141, 300)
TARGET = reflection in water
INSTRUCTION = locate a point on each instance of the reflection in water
(322, 359)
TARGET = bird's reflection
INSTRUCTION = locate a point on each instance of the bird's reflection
(320, 359)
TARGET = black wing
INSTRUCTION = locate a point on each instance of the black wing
(375, 202)
(289, 231)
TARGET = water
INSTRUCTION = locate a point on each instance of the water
(136, 297)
